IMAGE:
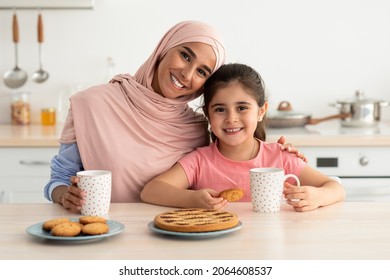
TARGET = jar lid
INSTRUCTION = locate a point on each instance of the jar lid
(21, 96)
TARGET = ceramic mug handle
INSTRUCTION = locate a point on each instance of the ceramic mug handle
(296, 180)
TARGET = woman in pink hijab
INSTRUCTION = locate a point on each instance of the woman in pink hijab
(138, 126)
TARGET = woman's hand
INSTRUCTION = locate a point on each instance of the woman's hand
(303, 198)
(290, 148)
(70, 197)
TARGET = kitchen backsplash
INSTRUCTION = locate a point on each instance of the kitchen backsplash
(310, 53)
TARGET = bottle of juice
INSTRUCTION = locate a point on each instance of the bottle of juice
(48, 116)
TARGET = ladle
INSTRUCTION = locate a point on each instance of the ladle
(40, 75)
(16, 77)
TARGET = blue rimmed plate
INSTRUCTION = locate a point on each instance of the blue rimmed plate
(155, 229)
(37, 231)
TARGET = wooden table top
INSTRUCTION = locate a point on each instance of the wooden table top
(346, 230)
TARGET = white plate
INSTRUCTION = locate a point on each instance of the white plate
(37, 231)
(153, 228)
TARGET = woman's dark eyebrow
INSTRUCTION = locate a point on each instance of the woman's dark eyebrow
(194, 55)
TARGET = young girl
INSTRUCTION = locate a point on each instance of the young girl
(235, 105)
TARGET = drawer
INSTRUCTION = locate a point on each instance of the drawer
(22, 197)
(26, 189)
(26, 161)
(24, 174)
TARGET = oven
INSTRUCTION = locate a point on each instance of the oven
(362, 162)
(364, 171)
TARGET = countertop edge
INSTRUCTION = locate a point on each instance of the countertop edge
(332, 140)
(13, 136)
(29, 144)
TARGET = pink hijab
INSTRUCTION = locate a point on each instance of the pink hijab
(126, 127)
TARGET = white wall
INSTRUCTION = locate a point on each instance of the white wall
(309, 52)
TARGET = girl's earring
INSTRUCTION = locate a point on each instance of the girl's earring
(260, 119)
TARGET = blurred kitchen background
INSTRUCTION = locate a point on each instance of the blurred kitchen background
(311, 53)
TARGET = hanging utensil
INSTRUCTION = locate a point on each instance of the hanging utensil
(16, 77)
(40, 75)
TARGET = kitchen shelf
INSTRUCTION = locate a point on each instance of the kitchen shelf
(47, 4)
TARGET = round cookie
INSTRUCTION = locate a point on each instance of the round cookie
(92, 219)
(48, 225)
(69, 229)
(232, 195)
(95, 228)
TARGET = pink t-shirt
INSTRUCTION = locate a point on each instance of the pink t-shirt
(207, 168)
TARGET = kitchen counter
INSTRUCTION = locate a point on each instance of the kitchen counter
(331, 134)
(29, 135)
(346, 230)
(324, 134)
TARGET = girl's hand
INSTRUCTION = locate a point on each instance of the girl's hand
(207, 198)
(71, 197)
(309, 197)
(290, 148)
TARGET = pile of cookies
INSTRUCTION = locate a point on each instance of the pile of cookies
(86, 225)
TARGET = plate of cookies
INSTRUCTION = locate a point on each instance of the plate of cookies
(195, 222)
(84, 228)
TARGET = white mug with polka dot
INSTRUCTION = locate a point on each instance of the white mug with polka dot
(97, 186)
(267, 188)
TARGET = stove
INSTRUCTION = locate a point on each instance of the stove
(360, 157)
(334, 128)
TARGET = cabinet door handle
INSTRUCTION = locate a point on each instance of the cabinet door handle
(34, 162)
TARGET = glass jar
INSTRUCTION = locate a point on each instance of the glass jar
(20, 108)
(48, 116)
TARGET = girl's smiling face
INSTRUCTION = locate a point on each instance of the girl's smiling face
(233, 114)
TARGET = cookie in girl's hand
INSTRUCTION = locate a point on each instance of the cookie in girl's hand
(232, 195)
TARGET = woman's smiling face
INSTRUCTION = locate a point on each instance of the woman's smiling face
(183, 70)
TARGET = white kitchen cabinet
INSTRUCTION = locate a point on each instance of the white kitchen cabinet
(359, 156)
(24, 173)
(364, 171)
